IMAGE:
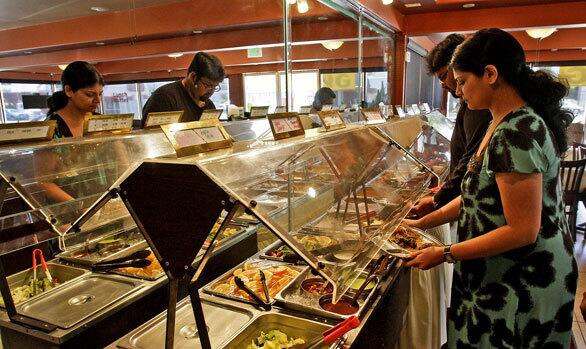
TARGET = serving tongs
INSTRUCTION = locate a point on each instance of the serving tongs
(266, 305)
(142, 254)
(135, 263)
(45, 269)
(330, 335)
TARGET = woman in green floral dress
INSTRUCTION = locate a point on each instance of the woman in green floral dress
(515, 274)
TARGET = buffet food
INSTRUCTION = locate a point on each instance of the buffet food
(277, 277)
(274, 339)
(31, 289)
(409, 239)
(152, 271)
(228, 231)
(314, 242)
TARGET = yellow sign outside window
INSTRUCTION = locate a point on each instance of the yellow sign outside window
(339, 81)
(576, 76)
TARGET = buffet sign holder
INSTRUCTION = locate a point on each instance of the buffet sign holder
(259, 112)
(286, 125)
(190, 138)
(107, 124)
(331, 120)
(211, 114)
(162, 118)
(27, 132)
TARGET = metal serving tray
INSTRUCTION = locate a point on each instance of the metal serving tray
(73, 254)
(79, 300)
(62, 273)
(222, 320)
(210, 286)
(295, 298)
(292, 326)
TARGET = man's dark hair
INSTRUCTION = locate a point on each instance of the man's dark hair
(442, 53)
(208, 66)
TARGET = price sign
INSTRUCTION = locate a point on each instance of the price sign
(259, 112)
(305, 109)
(280, 109)
(331, 119)
(425, 107)
(410, 110)
(211, 114)
(189, 138)
(400, 111)
(117, 123)
(342, 107)
(372, 115)
(416, 109)
(286, 125)
(162, 118)
(27, 131)
(326, 107)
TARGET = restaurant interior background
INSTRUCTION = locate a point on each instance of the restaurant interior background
(140, 45)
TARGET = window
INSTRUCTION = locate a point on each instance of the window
(25, 102)
(376, 88)
(121, 99)
(344, 85)
(260, 90)
(221, 98)
(303, 85)
(147, 88)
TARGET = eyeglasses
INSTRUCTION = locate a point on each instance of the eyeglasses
(210, 86)
(443, 76)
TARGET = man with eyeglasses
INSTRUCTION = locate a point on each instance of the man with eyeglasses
(190, 94)
(468, 132)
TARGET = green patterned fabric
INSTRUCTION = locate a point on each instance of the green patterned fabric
(523, 298)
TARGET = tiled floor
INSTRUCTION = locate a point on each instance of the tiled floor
(579, 326)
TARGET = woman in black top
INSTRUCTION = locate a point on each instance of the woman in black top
(82, 90)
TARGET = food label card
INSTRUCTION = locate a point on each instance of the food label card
(259, 112)
(280, 109)
(331, 119)
(305, 109)
(286, 125)
(189, 138)
(211, 114)
(400, 111)
(27, 131)
(162, 118)
(372, 115)
(116, 123)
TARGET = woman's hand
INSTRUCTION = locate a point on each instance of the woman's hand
(415, 223)
(426, 258)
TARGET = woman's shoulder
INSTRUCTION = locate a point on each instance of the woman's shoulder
(522, 125)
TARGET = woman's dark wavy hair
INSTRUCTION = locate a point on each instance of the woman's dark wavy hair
(77, 75)
(541, 90)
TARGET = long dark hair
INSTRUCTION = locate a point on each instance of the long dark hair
(77, 75)
(541, 90)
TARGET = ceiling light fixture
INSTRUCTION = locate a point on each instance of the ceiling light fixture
(28, 52)
(62, 66)
(540, 33)
(322, 18)
(100, 43)
(332, 45)
(175, 55)
(302, 6)
(470, 5)
(387, 2)
(99, 9)
(413, 4)
(197, 31)
(554, 50)
(292, 1)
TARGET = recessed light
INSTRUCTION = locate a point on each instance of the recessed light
(387, 2)
(197, 31)
(100, 43)
(413, 4)
(28, 52)
(62, 66)
(322, 18)
(554, 49)
(583, 48)
(99, 9)
(175, 55)
(468, 5)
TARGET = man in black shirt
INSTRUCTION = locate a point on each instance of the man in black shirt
(468, 132)
(192, 93)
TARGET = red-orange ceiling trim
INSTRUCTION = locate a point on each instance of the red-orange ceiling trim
(565, 14)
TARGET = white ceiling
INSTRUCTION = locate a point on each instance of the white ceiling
(21, 13)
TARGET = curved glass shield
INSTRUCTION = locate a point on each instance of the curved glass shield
(334, 199)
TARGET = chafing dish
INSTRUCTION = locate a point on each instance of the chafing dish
(223, 320)
(292, 326)
(79, 300)
(63, 274)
